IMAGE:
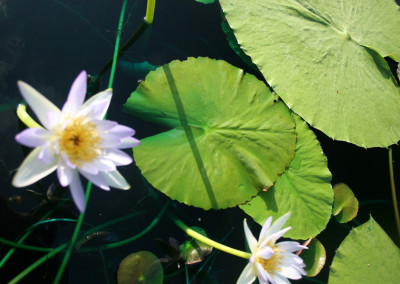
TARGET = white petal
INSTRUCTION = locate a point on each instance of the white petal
(103, 164)
(118, 157)
(115, 179)
(265, 252)
(89, 169)
(122, 131)
(128, 142)
(264, 230)
(271, 238)
(264, 275)
(278, 224)
(290, 272)
(248, 275)
(33, 137)
(39, 104)
(98, 180)
(96, 107)
(77, 192)
(104, 125)
(53, 120)
(290, 246)
(76, 95)
(47, 153)
(32, 169)
(279, 279)
(251, 240)
(110, 141)
(64, 173)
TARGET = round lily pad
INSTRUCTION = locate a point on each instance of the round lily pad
(230, 136)
(141, 267)
(325, 59)
(345, 205)
(304, 189)
(314, 257)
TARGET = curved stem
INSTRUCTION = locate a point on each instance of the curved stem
(208, 241)
(150, 11)
(26, 118)
(395, 207)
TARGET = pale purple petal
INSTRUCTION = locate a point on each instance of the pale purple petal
(110, 141)
(265, 252)
(128, 142)
(67, 162)
(119, 157)
(39, 104)
(32, 169)
(77, 193)
(96, 107)
(122, 131)
(89, 169)
(248, 275)
(103, 164)
(278, 224)
(47, 153)
(290, 246)
(279, 279)
(97, 179)
(64, 173)
(271, 239)
(33, 137)
(251, 240)
(115, 179)
(104, 125)
(76, 94)
(261, 272)
(264, 230)
(53, 120)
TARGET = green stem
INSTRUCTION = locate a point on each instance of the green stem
(30, 268)
(395, 207)
(208, 241)
(150, 11)
(73, 238)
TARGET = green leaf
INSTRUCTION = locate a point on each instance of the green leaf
(231, 136)
(314, 257)
(304, 189)
(205, 1)
(324, 58)
(366, 255)
(140, 267)
(193, 250)
(345, 205)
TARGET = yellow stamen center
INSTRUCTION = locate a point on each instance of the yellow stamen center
(271, 264)
(80, 141)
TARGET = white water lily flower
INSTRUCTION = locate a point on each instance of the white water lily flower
(74, 140)
(272, 262)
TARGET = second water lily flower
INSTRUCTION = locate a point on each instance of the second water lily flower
(272, 262)
(74, 140)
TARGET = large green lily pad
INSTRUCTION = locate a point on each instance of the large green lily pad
(304, 189)
(324, 58)
(367, 255)
(230, 135)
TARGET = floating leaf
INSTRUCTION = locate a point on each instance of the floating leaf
(345, 204)
(193, 250)
(314, 257)
(231, 136)
(140, 267)
(366, 255)
(304, 189)
(325, 60)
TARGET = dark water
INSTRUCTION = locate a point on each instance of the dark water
(47, 43)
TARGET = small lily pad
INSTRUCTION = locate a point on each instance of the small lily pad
(345, 205)
(314, 257)
(230, 137)
(194, 251)
(141, 267)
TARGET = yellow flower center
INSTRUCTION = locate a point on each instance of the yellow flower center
(80, 141)
(271, 264)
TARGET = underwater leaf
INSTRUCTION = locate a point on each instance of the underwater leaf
(314, 257)
(230, 135)
(193, 250)
(345, 204)
(366, 255)
(140, 267)
(304, 189)
(325, 60)
(205, 1)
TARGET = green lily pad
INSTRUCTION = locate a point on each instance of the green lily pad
(304, 189)
(194, 251)
(366, 255)
(325, 60)
(141, 267)
(231, 136)
(345, 205)
(314, 257)
(205, 1)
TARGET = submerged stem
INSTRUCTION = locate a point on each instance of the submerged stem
(395, 207)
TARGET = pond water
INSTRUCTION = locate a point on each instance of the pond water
(46, 43)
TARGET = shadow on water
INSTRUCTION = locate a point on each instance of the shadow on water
(189, 136)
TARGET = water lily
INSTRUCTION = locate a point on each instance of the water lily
(272, 262)
(74, 140)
